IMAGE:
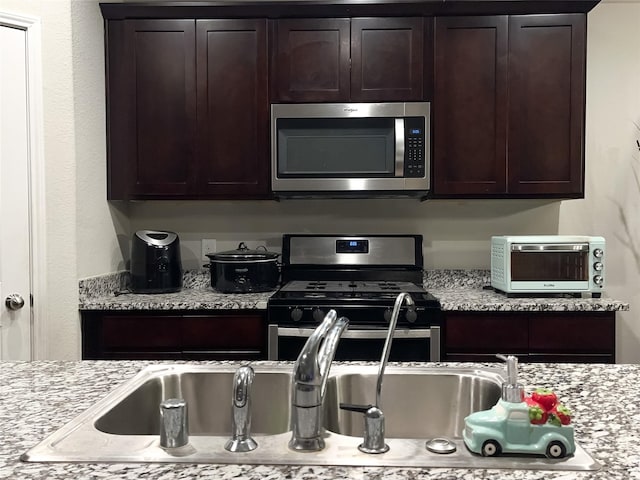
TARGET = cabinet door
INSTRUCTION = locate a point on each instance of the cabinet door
(311, 60)
(470, 99)
(546, 104)
(152, 108)
(233, 109)
(386, 59)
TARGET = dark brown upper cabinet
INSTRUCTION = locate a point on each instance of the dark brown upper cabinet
(358, 59)
(233, 109)
(547, 56)
(187, 108)
(470, 98)
(509, 106)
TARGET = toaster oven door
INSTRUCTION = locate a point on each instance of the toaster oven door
(539, 265)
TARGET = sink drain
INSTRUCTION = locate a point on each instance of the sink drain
(441, 445)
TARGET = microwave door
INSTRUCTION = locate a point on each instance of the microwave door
(552, 267)
(318, 148)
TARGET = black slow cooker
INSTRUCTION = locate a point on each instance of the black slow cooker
(243, 270)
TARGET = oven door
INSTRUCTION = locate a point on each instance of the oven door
(363, 344)
(563, 266)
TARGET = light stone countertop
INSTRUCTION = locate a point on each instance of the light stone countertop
(186, 299)
(36, 398)
(476, 299)
(457, 290)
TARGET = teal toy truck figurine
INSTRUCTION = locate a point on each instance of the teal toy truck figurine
(536, 424)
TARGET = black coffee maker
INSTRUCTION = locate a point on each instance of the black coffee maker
(155, 262)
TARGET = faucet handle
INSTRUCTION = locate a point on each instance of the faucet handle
(354, 407)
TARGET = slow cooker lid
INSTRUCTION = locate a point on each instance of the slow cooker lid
(244, 254)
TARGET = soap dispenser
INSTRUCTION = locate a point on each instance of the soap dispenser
(519, 424)
(512, 391)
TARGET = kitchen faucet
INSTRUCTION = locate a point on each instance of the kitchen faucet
(373, 416)
(241, 440)
(310, 374)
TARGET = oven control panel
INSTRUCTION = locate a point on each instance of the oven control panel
(352, 246)
(377, 317)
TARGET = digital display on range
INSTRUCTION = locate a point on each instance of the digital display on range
(352, 246)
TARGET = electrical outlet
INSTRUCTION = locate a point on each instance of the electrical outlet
(208, 246)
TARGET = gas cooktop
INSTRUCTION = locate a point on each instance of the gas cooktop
(302, 292)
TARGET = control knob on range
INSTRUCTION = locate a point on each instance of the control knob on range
(318, 314)
(411, 315)
(296, 314)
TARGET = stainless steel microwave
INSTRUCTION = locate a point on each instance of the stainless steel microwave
(350, 149)
(548, 264)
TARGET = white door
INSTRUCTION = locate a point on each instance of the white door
(15, 266)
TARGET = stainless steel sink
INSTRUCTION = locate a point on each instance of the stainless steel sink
(427, 404)
(208, 397)
(419, 403)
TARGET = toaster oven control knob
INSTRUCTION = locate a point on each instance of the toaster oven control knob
(597, 279)
(411, 315)
(318, 314)
(598, 252)
(296, 314)
(597, 266)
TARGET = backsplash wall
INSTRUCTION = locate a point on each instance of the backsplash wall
(456, 233)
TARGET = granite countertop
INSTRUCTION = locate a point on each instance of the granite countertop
(186, 299)
(37, 398)
(477, 299)
(457, 290)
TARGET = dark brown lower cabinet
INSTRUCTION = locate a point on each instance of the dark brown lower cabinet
(224, 335)
(579, 337)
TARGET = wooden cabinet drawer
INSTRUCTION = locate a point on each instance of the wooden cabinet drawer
(223, 332)
(481, 332)
(584, 337)
(160, 335)
(585, 332)
(121, 332)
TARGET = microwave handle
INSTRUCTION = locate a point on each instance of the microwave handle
(399, 170)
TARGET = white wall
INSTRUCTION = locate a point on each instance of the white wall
(456, 233)
(613, 159)
(102, 228)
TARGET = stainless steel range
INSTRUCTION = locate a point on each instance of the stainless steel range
(360, 277)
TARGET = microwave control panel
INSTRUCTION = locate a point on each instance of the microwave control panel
(414, 137)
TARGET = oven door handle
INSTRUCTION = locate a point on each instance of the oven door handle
(360, 334)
